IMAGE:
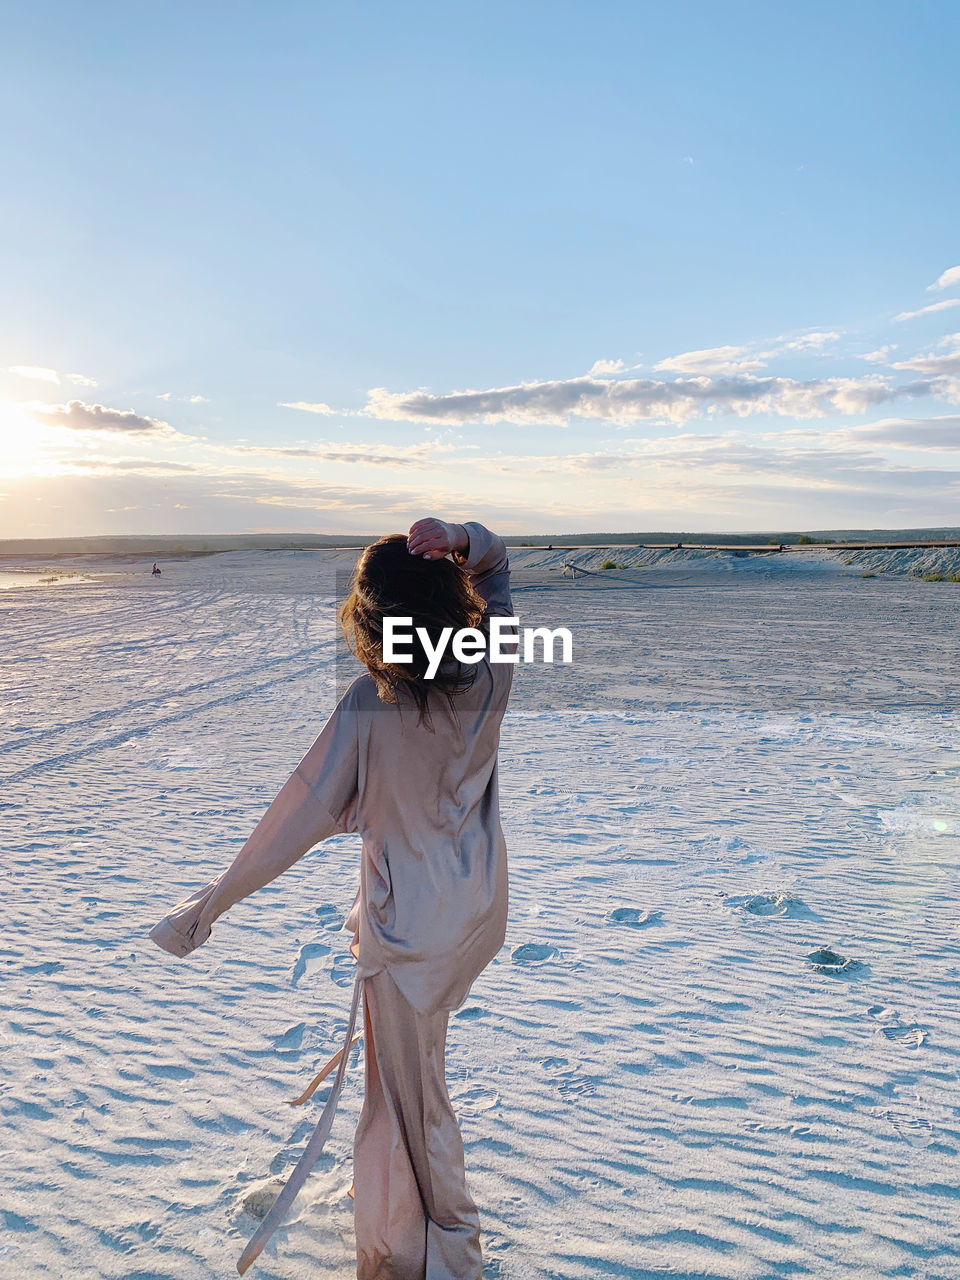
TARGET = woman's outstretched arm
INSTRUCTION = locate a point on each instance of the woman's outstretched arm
(318, 800)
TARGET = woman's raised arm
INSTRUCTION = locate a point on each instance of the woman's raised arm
(483, 554)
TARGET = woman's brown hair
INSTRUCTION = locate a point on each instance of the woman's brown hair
(389, 581)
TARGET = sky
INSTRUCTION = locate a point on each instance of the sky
(560, 267)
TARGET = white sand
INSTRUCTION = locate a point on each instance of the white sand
(746, 763)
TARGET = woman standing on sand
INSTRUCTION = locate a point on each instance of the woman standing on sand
(410, 764)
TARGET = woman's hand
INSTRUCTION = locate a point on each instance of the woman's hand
(433, 539)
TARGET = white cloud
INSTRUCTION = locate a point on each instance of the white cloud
(947, 363)
(35, 372)
(925, 311)
(746, 359)
(429, 453)
(714, 360)
(376, 456)
(41, 374)
(939, 435)
(97, 417)
(600, 367)
(111, 466)
(319, 407)
(635, 399)
(198, 399)
(880, 355)
(810, 341)
(708, 468)
(947, 280)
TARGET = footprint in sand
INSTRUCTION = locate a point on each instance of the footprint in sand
(493, 1269)
(471, 1013)
(474, 1100)
(533, 953)
(259, 1201)
(343, 971)
(907, 1037)
(891, 1027)
(916, 1130)
(883, 1013)
(825, 960)
(567, 1080)
(775, 903)
(330, 916)
(292, 1038)
(307, 960)
(635, 917)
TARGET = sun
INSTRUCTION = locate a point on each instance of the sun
(25, 444)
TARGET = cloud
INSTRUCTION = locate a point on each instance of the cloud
(880, 355)
(947, 363)
(198, 400)
(600, 367)
(366, 457)
(41, 374)
(695, 470)
(781, 478)
(937, 434)
(131, 466)
(810, 341)
(947, 280)
(36, 372)
(425, 453)
(925, 311)
(97, 417)
(715, 360)
(70, 504)
(635, 399)
(319, 407)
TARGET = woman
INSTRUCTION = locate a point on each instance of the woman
(410, 764)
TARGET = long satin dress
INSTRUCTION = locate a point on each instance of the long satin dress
(429, 915)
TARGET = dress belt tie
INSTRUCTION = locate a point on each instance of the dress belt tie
(281, 1206)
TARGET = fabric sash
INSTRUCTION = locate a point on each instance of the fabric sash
(281, 1206)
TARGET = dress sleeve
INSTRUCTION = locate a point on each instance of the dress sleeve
(486, 562)
(318, 800)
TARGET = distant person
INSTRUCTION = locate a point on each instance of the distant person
(410, 764)
(155, 569)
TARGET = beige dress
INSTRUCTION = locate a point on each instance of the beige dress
(429, 915)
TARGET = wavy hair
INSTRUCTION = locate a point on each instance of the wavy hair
(389, 582)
